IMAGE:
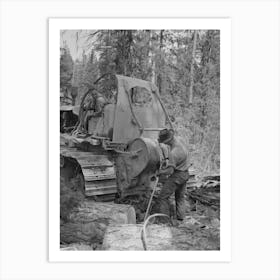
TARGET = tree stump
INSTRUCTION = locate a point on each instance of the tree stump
(88, 222)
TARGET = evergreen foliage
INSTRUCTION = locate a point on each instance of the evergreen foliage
(66, 67)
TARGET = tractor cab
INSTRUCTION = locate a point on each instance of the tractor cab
(121, 109)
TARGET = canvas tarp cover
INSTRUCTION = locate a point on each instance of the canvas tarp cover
(147, 110)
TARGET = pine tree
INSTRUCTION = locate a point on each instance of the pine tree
(66, 67)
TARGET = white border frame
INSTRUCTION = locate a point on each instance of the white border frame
(55, 254)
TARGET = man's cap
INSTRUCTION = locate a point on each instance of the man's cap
(165, 135)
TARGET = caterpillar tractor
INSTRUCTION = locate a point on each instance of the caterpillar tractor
(113, 148)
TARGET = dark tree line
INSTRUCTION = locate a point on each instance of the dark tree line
(184, 64)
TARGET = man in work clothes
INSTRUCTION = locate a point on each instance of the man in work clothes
(177, 172)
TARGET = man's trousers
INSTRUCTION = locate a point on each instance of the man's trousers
(176, 183)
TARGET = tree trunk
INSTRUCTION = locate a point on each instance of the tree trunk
(161, 82)
(192, 66)
(160, 237)
(151, 58)
(87, 223)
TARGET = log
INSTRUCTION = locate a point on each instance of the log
(160, 237)
(88, 222)
(76, 247)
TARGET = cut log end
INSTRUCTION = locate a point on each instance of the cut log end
(88, 222)
(159, 238)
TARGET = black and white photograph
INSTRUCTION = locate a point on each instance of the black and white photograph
(140, 140)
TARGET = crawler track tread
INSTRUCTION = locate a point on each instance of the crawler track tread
(98, 170)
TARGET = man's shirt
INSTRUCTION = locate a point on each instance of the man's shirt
(178, 155)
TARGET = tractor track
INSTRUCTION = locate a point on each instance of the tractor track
(97, 168)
